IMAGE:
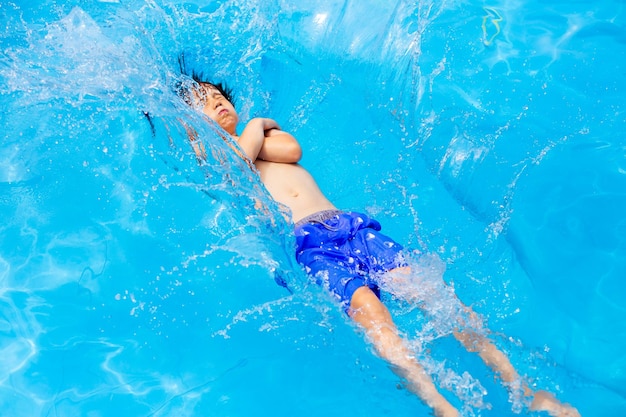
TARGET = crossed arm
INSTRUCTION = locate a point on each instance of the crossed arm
(263, 139)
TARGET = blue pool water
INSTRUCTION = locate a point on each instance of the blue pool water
(134, 282)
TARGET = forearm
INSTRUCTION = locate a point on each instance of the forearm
(263, 139)
(252, 138)
(281, 147)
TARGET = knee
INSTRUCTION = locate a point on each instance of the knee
(366, 306)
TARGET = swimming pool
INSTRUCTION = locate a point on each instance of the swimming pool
(135, 282)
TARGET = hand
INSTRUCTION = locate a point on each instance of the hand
(264, 123)
(252, 138)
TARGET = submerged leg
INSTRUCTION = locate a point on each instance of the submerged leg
(368, 311)
(501, 365)
(473, 340)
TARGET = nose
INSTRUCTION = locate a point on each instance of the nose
(214, 102)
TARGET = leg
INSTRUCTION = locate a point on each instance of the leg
(474, 341)
(367, 310)
(501, 365)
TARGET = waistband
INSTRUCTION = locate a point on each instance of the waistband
(319, 217)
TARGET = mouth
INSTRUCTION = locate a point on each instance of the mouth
(223, 111)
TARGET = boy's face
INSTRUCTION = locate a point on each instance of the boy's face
(215, 105)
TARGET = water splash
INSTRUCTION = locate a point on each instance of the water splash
(117, 245)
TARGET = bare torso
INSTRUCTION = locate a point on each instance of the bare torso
(293, 186)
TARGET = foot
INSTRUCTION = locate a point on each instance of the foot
(544, 401)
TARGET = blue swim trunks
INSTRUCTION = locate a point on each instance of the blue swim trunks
(345, 251)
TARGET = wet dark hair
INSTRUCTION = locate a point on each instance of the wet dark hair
(183, 88)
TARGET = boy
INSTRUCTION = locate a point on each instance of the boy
(345, 251)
